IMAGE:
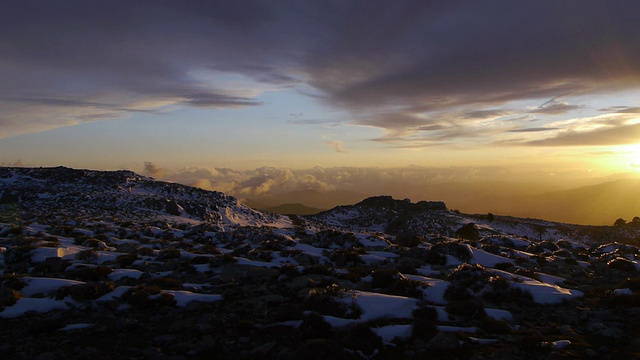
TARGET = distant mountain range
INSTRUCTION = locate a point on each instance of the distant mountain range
(304, 202)
(599, 204)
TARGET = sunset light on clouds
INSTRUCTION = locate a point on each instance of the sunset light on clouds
(223, 95)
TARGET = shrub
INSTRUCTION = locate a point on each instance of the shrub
(8, 296)
(98, 273)
(469, 232)
(200, 260)
(259, 255)
(12, 282)
(147, 297)
(383, 278)
(623, 301)
(145, 251)
(360, 337)
(528, 273)
(408, 239)
(18, 254)
(88, 256)
(167, 254)
(167, 283)
(86, 292)
(126, 259)
(332, 300)
(472, 276)
(494, 326)
(333, 238)
(289, 270)
(500, 291)
(631, 283)
(503, 266)
(466, 280)
(622, 264)
(343, 257)
(453, 248)
(314, 326)
(433, 257)
(469, 309)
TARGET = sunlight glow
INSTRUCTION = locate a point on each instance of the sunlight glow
(632, 155)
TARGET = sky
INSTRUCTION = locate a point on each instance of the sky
(253, 96)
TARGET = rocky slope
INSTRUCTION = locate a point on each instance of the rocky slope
(115, 265)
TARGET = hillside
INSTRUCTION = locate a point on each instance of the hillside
(599, 204)
(114, 265)
(312, 198)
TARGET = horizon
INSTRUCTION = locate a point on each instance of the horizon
(476, 103)
(599, 200)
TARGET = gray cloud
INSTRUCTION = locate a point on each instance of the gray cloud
(611, 135)
(337, 146)
(554, 108)
(622, 110)
(486, 114)
(527, 130)
(400, 66)
(150, 169)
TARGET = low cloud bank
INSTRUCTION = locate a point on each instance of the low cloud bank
(501, 190)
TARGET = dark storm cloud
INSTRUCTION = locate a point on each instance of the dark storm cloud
(496, 51)
(67, 62)
(398, 65)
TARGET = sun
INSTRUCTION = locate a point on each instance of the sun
(634, 157)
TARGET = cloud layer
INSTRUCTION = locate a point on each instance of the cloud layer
(426, 72)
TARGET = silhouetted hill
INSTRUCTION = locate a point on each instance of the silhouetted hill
(597, 204)
(311, 198)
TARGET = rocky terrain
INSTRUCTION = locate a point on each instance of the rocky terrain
(115, 265)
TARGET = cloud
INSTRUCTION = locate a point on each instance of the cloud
(150, 169)
(453, 183)
(529, 130)
(88, 61)
(554, 108)
(622, 110)
(486, 114)
(403, 67)
(610, 135)
(337, 146)
(313, 122)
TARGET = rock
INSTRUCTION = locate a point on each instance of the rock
(173, 208)
(444, 341)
